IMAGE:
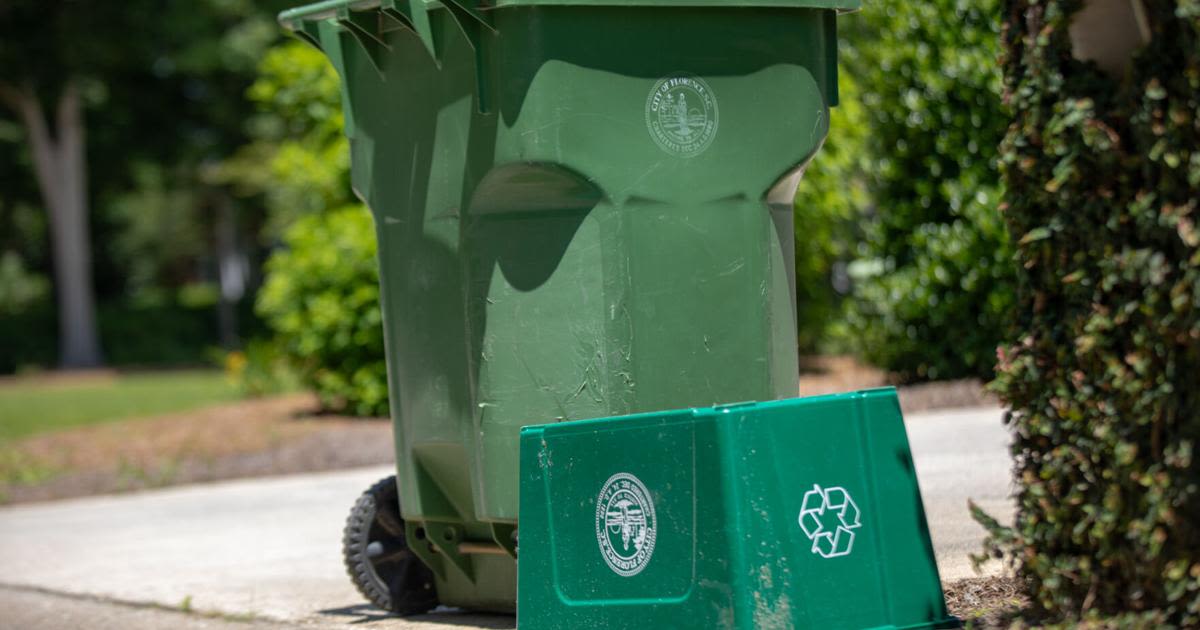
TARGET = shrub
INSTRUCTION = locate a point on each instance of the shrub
(831, 194)
(169, 332)
(1103, 180)
(298, 160)
(261, 368)
(933, 279)
(321, 297)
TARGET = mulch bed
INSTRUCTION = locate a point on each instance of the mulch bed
(989, 602)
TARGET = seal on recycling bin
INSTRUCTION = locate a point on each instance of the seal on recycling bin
(626, 526)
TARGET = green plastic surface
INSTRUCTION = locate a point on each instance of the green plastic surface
(330, 8)
(582, 211)
(800, 513)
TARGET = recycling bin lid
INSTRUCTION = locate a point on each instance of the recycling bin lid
(332, 8)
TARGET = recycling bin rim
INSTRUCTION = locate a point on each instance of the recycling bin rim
(332, 8)
(689, 413)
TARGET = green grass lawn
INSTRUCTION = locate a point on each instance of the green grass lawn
(36, 405)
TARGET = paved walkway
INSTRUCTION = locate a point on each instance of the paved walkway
(269, 549)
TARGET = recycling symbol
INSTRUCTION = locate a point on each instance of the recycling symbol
(829, 517)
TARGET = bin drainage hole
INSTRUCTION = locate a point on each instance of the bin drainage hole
(448, 534)
(420, 533)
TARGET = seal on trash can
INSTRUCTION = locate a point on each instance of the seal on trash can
(626, 526)
(681, 114)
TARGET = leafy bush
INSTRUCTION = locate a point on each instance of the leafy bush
(20, 288)
(321, 297)
(299, 159)
(1104, 198)
(28, 338)
(261, 368)
(830, 196)
(942, 314)
(157, 333)
(27, 321)
(933, 279)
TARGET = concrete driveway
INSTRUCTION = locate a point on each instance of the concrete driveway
(266, 552)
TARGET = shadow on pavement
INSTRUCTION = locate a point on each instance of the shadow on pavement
(366, 614)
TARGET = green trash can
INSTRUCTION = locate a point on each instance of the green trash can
(584, 209)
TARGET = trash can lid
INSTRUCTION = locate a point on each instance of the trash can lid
(842, 5)
(331, 8)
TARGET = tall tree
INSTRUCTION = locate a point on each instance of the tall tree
(42, 86)
(162, 84)
(60, 165)
(55, 57)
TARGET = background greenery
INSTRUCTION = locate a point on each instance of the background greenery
(163, 87)
(901, 258)
(321, 295)
(322, 299)
(1103, 180)
(903, 195)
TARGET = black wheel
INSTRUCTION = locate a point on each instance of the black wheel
(377, 556)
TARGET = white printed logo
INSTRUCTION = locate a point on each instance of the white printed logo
(625, 524)
(681, 114)
(829, 518)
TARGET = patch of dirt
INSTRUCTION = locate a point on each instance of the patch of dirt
(267, 436)
(834, 374)
(62, 378)
(989, 602)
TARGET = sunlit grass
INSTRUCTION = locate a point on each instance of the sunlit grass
(40, 404)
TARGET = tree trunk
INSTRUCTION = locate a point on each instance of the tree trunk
(231, 270)
(60, 166)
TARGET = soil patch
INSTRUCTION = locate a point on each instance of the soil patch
(989, 602)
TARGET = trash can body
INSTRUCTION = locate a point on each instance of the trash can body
(584, 209)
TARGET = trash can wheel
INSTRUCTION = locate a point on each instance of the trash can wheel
(377, 556)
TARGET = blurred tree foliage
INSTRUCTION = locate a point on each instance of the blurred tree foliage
(831, 195)
(904, 191)
(321, 295)
(909, 177)
(322, 299)
(161, 86)
(298, 159)
(1103, 201)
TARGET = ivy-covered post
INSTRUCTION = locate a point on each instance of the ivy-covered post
(1102, 178)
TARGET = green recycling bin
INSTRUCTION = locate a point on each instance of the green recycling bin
(801, 513)
(584, 210)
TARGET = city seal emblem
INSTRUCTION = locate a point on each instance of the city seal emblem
(681, 115)
(625, 524)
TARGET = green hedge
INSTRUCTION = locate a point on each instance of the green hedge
(134, 334)
(1103, 180)
(932, 273)
(321, 298)
(830, 197)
